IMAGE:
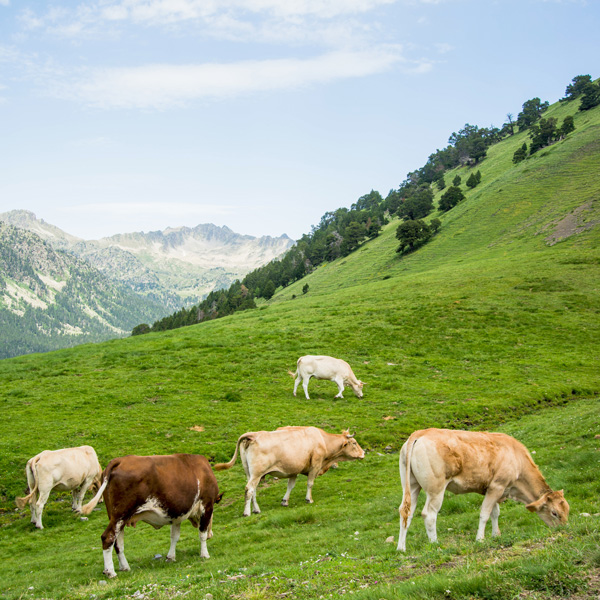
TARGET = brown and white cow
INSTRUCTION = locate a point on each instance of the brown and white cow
(492, 464)
(68, 469)
(287, 453)
(158, 490)
(326, 367)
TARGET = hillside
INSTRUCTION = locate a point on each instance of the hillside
(493, 324)
(50, 299)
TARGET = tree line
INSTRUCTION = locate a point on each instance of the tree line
(342, 231)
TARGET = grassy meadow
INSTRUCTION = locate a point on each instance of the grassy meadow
(492, 325)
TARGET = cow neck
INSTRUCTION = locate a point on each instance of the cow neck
(334, 444)
(531, 485)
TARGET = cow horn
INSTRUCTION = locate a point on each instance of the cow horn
(349, 435)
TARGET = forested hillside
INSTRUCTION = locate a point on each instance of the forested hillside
(426, 194)
(49, 299)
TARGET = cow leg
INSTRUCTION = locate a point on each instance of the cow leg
(312, 475)
(120, 548)
(340, 383)
(250, 496)
(290, 486)
(175, 532)
(495, 515)
(78, 496)
(39, 507)
(32, 504)
(489, 507)
(430, 512)
(205, 532)
(297, 383)
(305, 386)
(210, 531)
(415, 489)
(108, 541)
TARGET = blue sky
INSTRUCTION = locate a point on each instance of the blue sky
(138, 115)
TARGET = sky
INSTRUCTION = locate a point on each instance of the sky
(138, 115)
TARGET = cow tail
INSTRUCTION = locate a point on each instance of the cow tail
(294, 375)
(32, 471)
(86, 509)
(406, 499)
(228, 465)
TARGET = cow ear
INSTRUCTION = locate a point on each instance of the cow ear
(537, 505)
(219, 497)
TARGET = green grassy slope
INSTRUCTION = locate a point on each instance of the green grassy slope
(491, 325)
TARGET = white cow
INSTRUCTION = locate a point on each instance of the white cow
(326, 367)
(492, 464)
(73, 469)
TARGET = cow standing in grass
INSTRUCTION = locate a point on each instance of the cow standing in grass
(492, 464)
(68, 469)
(326, 367)
(159, 490)
(287, 453)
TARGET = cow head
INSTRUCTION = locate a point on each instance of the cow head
(350, 449)
(552, 508)
(357, 388)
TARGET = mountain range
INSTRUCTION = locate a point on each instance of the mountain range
(58, 290)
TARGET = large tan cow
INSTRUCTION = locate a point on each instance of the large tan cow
(326, 367)
(69, 469)
(158, 490)
(492, 464)
(287, 453)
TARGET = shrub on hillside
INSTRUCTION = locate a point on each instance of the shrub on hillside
(450, 198)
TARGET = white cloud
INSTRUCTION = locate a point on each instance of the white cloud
(162, 86)
(215, 18)
(4, 2)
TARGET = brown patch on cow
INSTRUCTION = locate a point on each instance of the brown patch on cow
(574, 223)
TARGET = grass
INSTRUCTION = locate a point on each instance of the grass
(489, 326)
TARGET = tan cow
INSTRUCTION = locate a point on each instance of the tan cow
(287, 453)
(326, 367)
(159, 490)
(68, 469)
(492, 464)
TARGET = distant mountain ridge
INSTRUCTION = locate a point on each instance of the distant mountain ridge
(177, 266)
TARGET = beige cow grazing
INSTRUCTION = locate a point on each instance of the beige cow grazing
(326, 367)
(287, 453)
(492, 464)
(74, 469)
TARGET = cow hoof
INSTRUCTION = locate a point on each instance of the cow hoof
(284, 503)
(170, 559)
(39, 526)
(309, 501)
(246, 514)
(110, 574)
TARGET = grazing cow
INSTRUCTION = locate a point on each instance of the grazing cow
(73, 469)
(492, 464)
(159, 490)
(287, 453)
(326, 367)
